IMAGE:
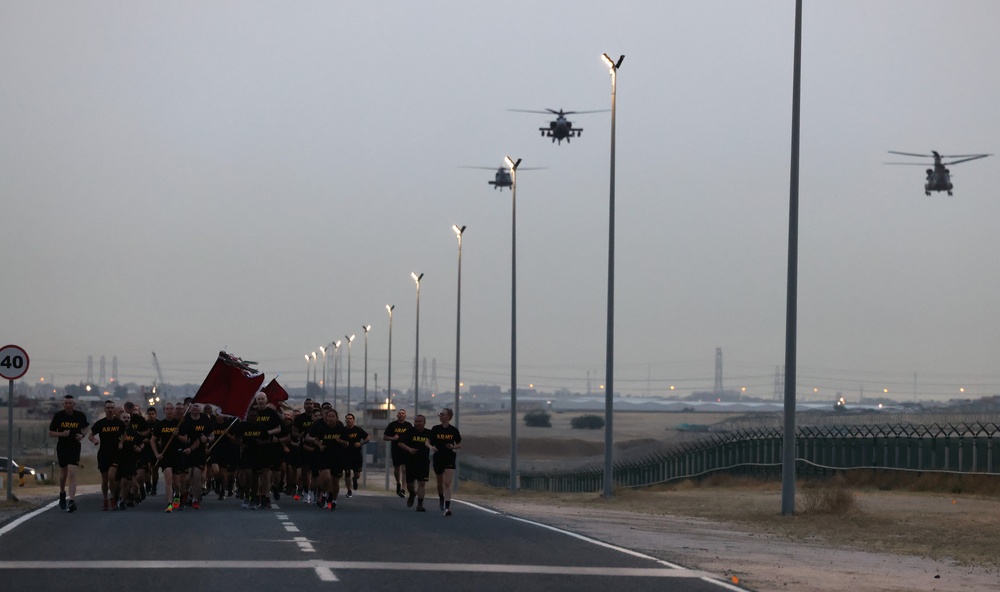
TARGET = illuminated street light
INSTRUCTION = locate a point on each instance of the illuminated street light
(388, 391)
(367, 328)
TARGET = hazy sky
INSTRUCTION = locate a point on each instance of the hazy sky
(183, 177)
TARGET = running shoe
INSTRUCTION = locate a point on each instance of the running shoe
(399, 490)
(121, 505)
(349, 494)
(195, 505)
(130, 502)
(354, 482)
(277, 493)
(62, 500)
(447, 512)
(170, 509)
(267, 504)
(245, 505)
(296, 497)
(421, 508)
(71, 506)
(142, 493)
(332, 505)
(409, 500)
(221, 497)
(104, 508)
(321, 501)
(177, 501)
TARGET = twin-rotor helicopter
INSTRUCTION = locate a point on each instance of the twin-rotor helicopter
(939, 177)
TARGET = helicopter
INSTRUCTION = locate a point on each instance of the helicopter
(503, 177)
(939, 177)
(562, 128)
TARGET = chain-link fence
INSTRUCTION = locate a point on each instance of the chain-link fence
(964, 447)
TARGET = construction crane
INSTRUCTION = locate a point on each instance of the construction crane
(159, 374)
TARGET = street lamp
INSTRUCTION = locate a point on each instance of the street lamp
(416, 359)
(367, 328)
(388, 387)
(609, 370)
(513, 320)
(314, 366)
(458, 331)
(307, 375)
(350, 340)
(322, 384)
(336, 365)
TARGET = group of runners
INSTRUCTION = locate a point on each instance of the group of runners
(301, 453)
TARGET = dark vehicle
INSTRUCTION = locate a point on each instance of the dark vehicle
(16, 469)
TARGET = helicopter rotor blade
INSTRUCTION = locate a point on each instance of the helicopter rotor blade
(971, 157)
(911, 154)
(928, 164)
(533, 111)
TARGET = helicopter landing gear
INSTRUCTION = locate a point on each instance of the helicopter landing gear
(950, 193)
(928, 193)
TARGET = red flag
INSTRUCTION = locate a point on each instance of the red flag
(231, 384)
(275, 393)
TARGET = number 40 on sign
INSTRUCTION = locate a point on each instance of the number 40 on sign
(13, 362)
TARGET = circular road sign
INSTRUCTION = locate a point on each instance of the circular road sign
(13, 362)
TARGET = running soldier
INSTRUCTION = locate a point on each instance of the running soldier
(196, 433)
(147, 458)
(300, 428)
(392, 433)
(326, 436)
(445, 440)
(68, 425)
(168, 455)
(106, 433)
(414, 443)
(355, 437)
(123, 467)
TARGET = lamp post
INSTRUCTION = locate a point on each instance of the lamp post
(416, 358)
(791, 304)
(609, 370)
(458, 333)
(336, 365)
(350, 340)
(388, 392)
(367, 328)
(314, 366)
(513, 320)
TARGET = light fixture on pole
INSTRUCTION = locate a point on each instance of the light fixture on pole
(512, 164)
(367, 328)
(458, 335)
(350, 340)
(609, 370)
(314, 366)
(336, 365)
(416, 355)
(307, 375)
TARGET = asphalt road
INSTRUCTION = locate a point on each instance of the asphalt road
(371, 542)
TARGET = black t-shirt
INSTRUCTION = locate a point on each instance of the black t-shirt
(138, 423)
(195, 429)
(130, 440)
(397, 428)
(268, 419)
(109, 431)
(417, 439)
(251, 434)
(352, 436)
(162, 431)
(75, 421)
(441, 436)
(329, 436)
(302, 424)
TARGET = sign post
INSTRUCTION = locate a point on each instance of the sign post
(13, 365)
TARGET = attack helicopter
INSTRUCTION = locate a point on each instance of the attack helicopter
(562, 128)
(939, 177)
(503, 177)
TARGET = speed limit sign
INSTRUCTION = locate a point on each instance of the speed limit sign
(13, 362)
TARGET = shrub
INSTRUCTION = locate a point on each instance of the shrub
(587, 422)
(537, 419)
(835, 500)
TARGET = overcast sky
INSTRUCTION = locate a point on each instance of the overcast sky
(183, 177)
